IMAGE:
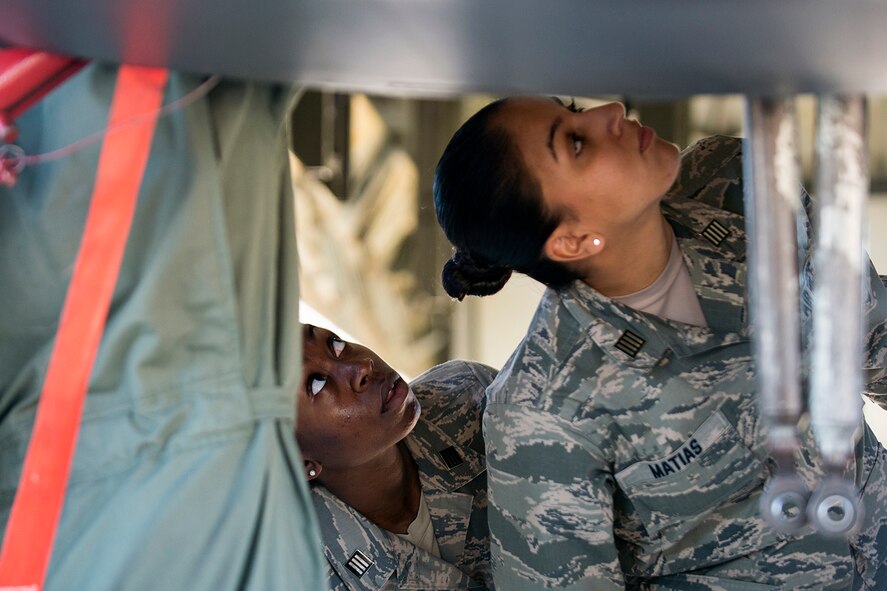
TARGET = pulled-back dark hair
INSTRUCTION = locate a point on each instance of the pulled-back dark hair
(491, 209)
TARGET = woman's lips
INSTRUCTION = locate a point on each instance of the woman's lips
(645, 137)
(395, 395)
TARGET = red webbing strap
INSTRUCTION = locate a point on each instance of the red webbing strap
(38, 503)
(26, 75)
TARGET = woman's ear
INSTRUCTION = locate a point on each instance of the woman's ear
(569, 244)
(312, 469)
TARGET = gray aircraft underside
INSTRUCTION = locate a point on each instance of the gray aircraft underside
(653, 48)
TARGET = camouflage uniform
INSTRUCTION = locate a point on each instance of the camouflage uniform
(626, 451)
(448, 448)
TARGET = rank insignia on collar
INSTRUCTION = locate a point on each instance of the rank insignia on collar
(715, 232)
(359, 563)
(630, 343)
(451, 457)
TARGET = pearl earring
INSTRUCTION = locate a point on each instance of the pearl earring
(312, 472)
(596, 241)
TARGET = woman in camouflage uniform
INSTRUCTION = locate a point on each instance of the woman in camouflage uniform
(401, 495)
(624, 445)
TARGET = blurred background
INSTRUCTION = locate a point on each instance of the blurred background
(370, 247)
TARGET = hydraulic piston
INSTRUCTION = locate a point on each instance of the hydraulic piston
(772, 192)
(835, 403)
(772, 188)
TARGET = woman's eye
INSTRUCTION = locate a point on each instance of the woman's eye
(577, 144)
(338, 345)
(316, 384)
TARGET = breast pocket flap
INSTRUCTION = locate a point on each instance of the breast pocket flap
(712, 467)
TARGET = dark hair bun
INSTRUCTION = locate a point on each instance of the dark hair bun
(464, 275)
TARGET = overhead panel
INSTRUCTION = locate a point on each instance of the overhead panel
(654, 48)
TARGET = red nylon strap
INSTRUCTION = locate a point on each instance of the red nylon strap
(38, 503)
(26, 75)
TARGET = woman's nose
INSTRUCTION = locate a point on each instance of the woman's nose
(616, 109)
(361, 369)
(610, 117)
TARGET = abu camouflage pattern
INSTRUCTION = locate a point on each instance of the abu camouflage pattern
(626, 451)
(449, 452)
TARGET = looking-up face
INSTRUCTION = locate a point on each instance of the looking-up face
(352, 407)
(596, 166)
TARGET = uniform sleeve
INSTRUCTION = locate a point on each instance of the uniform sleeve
(875, 341)
(551, 507)
(874, 359)
(453, 398)
(711, 172)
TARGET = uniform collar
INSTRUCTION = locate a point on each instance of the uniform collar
(446, 467)
(361, 553)
(345, 532)
(705, 207)
(712, 242)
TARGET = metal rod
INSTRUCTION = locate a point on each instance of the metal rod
(772, 190)
(835, 508)
(842, 192)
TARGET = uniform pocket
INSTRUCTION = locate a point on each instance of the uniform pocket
(677, 491)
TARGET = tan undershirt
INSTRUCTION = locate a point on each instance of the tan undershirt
(672, 295)
(421, 531)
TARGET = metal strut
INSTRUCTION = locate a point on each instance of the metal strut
(772, 191)
(771, 195)
(842, 186)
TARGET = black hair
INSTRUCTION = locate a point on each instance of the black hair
(491, 209)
